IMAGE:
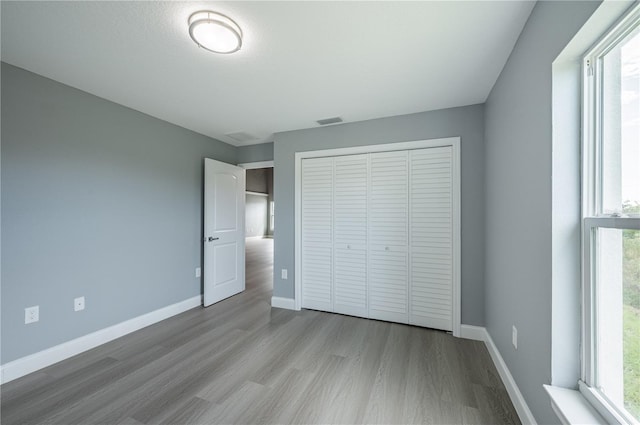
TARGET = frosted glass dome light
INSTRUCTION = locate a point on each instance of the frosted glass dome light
(215, 32)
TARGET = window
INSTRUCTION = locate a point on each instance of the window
(272, 217)
(611, 220)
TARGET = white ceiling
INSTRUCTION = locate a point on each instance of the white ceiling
(300, 61)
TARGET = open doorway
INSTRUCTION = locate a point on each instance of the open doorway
(259, 227)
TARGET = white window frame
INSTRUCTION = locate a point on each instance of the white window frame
(593, 216)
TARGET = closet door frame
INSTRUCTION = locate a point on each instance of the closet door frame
(454, 142)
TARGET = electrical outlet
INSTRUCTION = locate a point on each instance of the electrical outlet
(514, 337)
(284, 274)
(31, 314)
(78, 304)
(198, 272)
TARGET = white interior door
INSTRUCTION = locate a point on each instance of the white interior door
(224, 190)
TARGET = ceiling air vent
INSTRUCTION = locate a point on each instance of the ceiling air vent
(241, 136)
(326, 121)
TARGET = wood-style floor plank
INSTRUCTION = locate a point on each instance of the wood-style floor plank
(241, 361)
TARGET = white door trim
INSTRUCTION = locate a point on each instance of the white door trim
(254, 165)
(454, 142)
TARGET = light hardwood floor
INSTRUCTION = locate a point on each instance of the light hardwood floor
(241, 361)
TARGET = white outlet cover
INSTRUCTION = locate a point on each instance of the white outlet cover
(78, 304)
(31, 314)
(198, 272)
(284, 273)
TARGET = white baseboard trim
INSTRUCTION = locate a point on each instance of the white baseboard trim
(479, 333)
(526, 417)
(286, 303)
(476, 333)
(25, 365)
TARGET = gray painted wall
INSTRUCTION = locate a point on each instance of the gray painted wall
(519, 199)
(97, 200)
(255, 153)
(257, 207)
(257, 180)
(466, 122)
(256, 214)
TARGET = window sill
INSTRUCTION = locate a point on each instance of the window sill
(571, 407)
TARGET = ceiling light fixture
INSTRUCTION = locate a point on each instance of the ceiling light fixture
(215, 32)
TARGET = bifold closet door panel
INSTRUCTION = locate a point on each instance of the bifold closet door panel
(350, 235)
(377, 235)
(388, 236)
(317, 233)
(431, 238)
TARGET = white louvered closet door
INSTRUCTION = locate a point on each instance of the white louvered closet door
(431, 230)
(350, 235)
(317, 231)
(388, 236)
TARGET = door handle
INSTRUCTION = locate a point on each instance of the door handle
(211, 239)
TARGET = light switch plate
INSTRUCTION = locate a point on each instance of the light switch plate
(198, 272)
(284, 274)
